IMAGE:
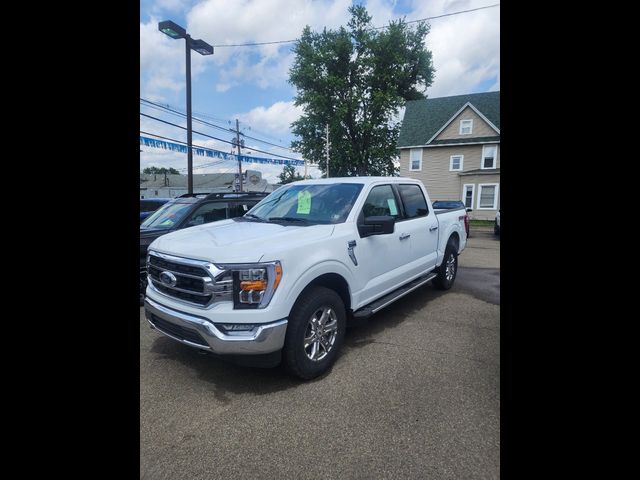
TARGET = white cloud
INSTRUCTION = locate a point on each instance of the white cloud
(274, 119)
(466, 47)
(172, 5)
(162, 62)
(255, 21)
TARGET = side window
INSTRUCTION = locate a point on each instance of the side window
(381, 201)
(209, 212)
(413, 199)
(146, 206)
(239, 209)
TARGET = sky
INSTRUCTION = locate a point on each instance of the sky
(250, 83)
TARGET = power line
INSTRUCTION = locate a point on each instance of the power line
(182, 114)
(173, 111)
(215, 138)
(375, 28)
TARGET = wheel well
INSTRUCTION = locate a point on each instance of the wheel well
(335, 282)
(454, 239)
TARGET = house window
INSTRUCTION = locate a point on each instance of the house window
(455, 163)
(466, 127)
(488, 196)
(467, 194)
(489, 154)
(415, 159)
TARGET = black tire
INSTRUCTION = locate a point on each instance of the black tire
(441, 282)
(311, 303)
(496, 230)
(143, 289)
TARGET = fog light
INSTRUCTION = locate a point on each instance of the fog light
(235, 327)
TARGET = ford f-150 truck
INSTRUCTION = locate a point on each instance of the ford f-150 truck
(280, 283)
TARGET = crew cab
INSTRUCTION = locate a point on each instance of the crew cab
(280, 283)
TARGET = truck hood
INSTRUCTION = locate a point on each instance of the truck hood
(230, 241)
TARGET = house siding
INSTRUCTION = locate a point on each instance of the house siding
(480, 127)
(443, 184)
(477, 180)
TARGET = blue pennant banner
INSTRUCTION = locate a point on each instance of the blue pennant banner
(208, 152)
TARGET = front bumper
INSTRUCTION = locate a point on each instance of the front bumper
(200, 333)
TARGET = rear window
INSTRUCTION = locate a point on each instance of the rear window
(447, 204)
(148, 206)
(414, 202)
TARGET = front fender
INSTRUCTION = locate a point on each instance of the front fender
(315, 271)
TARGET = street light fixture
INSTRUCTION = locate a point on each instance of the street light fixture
(175, 31)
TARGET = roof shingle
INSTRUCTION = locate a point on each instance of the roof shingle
(423, 118)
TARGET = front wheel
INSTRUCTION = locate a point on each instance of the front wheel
(315, 333)
(448, 270)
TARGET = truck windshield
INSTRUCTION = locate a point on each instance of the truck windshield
(167, 216)
(307, 204)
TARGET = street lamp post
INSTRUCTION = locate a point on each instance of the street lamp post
(175, 31)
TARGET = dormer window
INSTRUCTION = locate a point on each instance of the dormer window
(466, 127)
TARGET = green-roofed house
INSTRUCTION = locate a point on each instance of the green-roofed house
(452, 144)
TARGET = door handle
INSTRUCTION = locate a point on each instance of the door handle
(404, 236)
(432, 229)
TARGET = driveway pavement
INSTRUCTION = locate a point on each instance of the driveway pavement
(415, 394)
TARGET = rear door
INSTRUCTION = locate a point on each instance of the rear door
(420, 224)
(206, 213)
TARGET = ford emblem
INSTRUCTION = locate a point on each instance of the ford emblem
(168, 278)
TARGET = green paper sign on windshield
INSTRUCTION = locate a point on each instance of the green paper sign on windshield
(392, 206)
(304, 203)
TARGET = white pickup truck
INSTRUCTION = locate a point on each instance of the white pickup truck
(281, 282)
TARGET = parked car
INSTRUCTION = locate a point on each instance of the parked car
(279, 283)
(453, 204)
(496, 227)
(189, 210)
(150, 205)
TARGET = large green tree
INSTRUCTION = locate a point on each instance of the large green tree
(289, 175)
(355, 80)
(157, 170)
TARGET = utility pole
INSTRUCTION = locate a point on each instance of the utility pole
(239, 160)
(327, 147)
(305, 168)
(187, 44)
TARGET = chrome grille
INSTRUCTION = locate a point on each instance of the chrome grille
(195, 282)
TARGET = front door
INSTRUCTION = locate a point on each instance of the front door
(382, 258)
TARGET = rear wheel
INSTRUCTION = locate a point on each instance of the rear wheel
(448, 270)
(315, 333)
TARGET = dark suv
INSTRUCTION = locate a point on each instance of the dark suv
(187, 211)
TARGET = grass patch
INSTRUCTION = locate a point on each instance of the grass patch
(481, 223)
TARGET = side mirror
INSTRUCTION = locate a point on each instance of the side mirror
(381, 225)
(469, 209)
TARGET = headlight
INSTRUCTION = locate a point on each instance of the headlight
(254, 284)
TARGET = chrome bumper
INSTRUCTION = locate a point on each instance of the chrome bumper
(266, 338)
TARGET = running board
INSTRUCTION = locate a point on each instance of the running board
(388, 299)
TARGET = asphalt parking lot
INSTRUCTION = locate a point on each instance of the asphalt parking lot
(415, 394)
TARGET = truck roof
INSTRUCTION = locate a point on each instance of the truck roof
(362, 180)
